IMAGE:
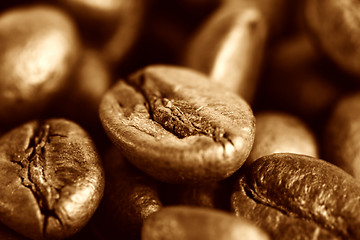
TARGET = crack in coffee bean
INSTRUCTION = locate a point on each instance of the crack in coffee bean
(176, 115)
(33, 177)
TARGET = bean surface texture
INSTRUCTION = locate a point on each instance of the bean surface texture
(177, 126)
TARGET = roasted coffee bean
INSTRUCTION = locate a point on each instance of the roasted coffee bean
(51, 179)
(39, 47)
(229, 47)
(279, 132)
(187, 223)
(342, 135)
(130, 197)
(316, 198)
(333, 24)
(176, 126)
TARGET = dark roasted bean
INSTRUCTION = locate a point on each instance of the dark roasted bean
(316, 198)
(173, 124)
(51, 179)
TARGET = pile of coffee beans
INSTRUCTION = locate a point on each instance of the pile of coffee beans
(182, 119)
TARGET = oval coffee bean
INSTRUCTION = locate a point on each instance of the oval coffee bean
(342, 135)
(51, 179)
(278, 224)
(190, 223)
(176, 126)
(334, 26)
(130, 197)
(279, 132)
(301, 187)
(39, 46)
(229, 47)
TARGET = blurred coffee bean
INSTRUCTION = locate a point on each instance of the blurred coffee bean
(298, 81)
(342, 135)
(187, 223)
(177, 126)
(333, 24)
(304, 196)
(126, 33)
(39, 47)
(110, 26)
(276, 13)
(279, 132)
(51, 179)
(229, 47)
(130, 198)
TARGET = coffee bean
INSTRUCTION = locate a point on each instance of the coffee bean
(342, 135)
(51, 179)
(279, 132)
(187, 223)
(229, 47)
(176, 126)
(39, 47)
(291, 186)
(333, 25)
(130, 197)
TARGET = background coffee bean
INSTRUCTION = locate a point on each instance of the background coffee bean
(342, 134)
(176, 126)
(334, 27)
(51, 179)
(39, 47)
(279, 132)
(198, 223)
(302, 187)
(229, 47)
